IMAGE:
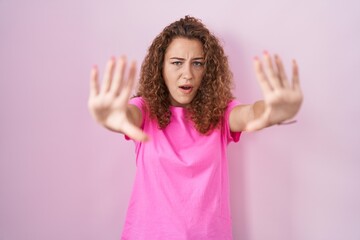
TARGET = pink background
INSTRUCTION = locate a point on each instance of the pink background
(64, 177)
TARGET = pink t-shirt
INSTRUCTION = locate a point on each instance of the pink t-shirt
(181, 189)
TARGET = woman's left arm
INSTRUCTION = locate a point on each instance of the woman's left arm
(282, 100)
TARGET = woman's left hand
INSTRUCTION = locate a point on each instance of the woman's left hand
(282, 100)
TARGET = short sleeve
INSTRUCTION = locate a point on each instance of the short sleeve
(231, 136)
(140, 104)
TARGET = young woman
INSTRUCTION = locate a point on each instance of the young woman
(182, 119)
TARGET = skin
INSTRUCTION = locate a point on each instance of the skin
(282, 100)
(109, 105)
(183, 70)
(182, 66)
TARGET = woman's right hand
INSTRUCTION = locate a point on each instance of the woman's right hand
(109, 106)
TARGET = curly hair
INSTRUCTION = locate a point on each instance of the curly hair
(207, 108)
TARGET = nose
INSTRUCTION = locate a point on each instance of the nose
(187, 73)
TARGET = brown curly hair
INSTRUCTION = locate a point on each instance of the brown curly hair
(208, 106)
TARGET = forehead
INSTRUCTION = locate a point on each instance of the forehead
(185, 47)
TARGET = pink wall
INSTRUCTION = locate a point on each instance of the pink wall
(64, 177)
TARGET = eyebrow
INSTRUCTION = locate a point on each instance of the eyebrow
(178, 58)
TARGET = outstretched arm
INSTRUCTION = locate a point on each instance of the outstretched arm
(109, 105)
(282, 100)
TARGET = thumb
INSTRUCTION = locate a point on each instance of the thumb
(135, 133)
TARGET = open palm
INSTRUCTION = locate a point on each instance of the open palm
(109, 105)
(282, 100)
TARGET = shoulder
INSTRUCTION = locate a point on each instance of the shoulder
(137, 106)
(230, 107)
(137, 101)
(231, 136)
(140, 103)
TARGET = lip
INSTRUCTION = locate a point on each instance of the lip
(186, 89)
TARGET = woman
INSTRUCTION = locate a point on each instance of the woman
(182, 119)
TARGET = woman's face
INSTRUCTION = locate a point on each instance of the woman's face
(183, 70)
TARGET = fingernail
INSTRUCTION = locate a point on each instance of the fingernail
(256, 58)
(95, 66)
(266, 52)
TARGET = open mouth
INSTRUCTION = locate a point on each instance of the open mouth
(186, 89)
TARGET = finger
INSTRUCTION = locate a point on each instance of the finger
(118, 76)
(296, 79)
(132, 75)
(261, 77)
(108, 75)
(128, 86)
(281, 72)
(272, 72)
(135, 133)
(94, 82)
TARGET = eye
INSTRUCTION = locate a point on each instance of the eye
(176, 63)
(198, 63)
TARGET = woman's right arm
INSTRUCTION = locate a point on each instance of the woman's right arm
(109, 106)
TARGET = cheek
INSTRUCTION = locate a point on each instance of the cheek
(200, 72)
(200, 77)
(170, 78)
(168, 82)
(165, 76)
